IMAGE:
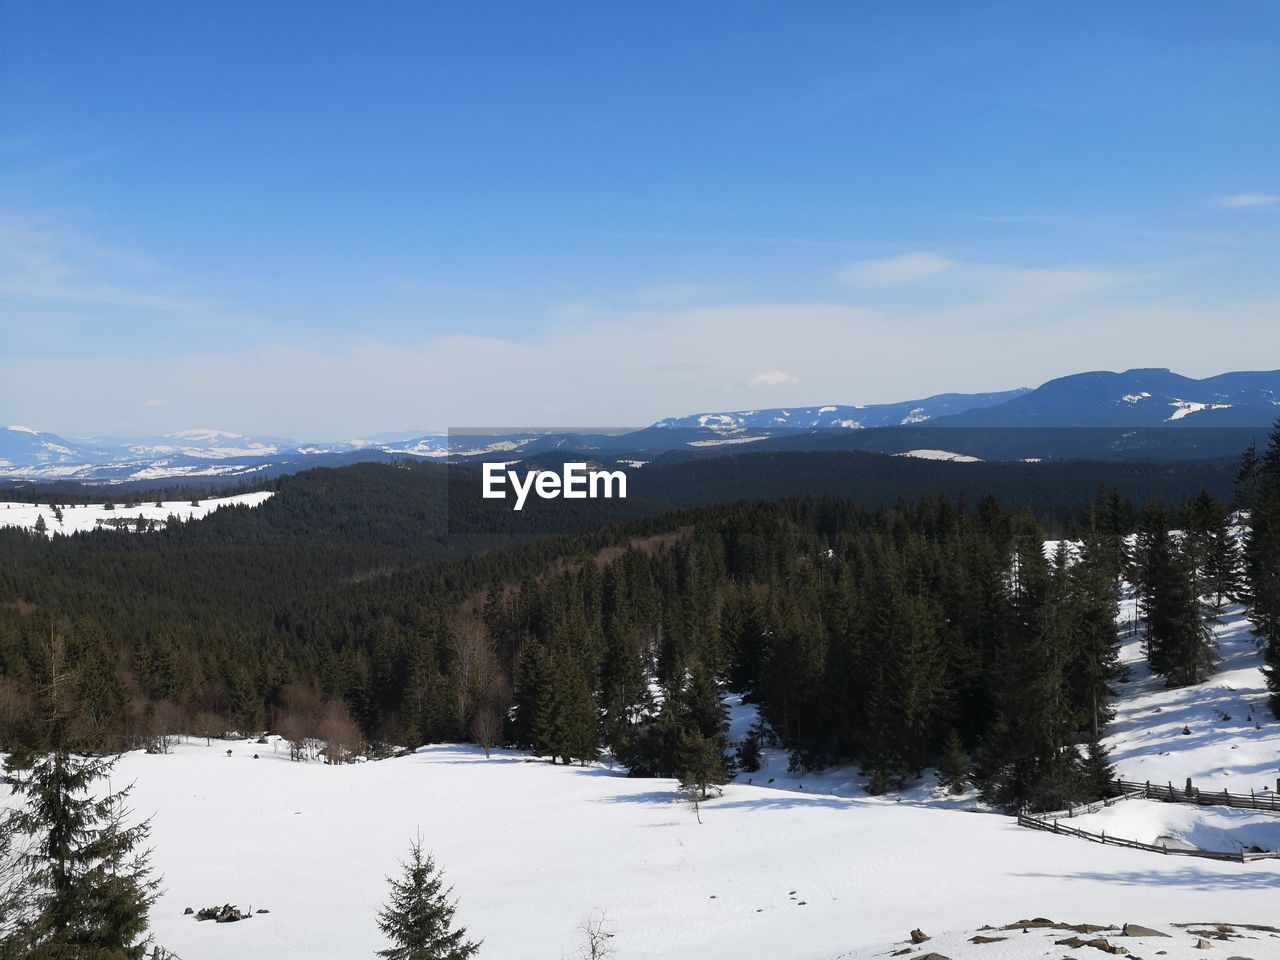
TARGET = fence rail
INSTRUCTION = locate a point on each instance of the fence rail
(1192, 794)
(1056, 826)
(1132, 790)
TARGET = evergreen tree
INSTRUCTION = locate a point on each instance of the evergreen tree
(83, 876)
(954, 767)
(1097, 773)
(1094, 662)
(418, 920)
(1260, 494)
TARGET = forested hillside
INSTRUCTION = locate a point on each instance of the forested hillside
(358, 605)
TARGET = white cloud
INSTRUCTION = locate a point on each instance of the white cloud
(895, 271)
(771, 378)
(1249, 200)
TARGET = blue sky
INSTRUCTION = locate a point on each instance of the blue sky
(325, 220)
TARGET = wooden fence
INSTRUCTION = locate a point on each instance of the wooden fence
(1269, 802)
(1056, 826)
(1131, 790)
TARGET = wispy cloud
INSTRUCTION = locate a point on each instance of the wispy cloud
(1249, 200)
(771, 378)
(895, 271)
(46, 262)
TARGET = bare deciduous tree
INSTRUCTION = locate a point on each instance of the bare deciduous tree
(486, 727)
(596, 938)
(341, 736)
(475, 667)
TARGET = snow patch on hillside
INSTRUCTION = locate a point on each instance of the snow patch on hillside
(77, 518)
(939, 455)
(1183, 408)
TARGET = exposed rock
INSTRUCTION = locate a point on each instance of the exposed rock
(1137, 930)
(918, 936)
(1040, 923)
(984, 939)
(223, 914)
(1098, 943)
(1203, 945)
(187, 912)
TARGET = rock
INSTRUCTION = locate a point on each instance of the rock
(223, 914)
(1203, 944)
(1137, 930)
(933, 956)
(982, 939)
(263, 911)
(1098, 943)
(918, 936)
(187, 912)
(901, 953)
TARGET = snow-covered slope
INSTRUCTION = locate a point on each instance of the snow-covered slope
(80, 517)
(785, 865)
(842, 417)
(1137, 398)
(533, 849)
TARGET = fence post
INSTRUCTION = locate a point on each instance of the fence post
(1188, 786)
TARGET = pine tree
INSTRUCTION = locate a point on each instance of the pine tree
(702, 766)
(1260, 494)
(84, 878)
(418, 920)
(954, 767)
(1096, 771)
(1095, 658)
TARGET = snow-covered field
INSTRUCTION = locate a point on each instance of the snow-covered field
(939, 455)
(784, 867)
(80, 517)
(806, 867)
(1232, 743)
(533, 849)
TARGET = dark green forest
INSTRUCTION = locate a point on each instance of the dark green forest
(895, 612)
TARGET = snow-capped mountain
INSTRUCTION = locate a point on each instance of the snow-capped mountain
(842, 417)
(1137, 398)
(1147, 399)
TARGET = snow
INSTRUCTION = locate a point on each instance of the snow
(1206, 828)
(1239, 753)
(532, 849)
(803, 866)
(21, 429)
(80, 517)
(726, 440)
(1021, 943)
(1136, 397)
(1185, 408)
(939, 455)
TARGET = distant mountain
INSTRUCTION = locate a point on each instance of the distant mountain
(1136, 398)
(1126, 416)
(842, 417)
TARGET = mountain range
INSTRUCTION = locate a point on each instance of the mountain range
(1137, 413)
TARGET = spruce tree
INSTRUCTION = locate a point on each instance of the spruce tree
(954, 767)
(418, 919)
(86, 883)
(1097, 773)
(1260, 494)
